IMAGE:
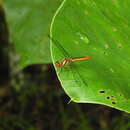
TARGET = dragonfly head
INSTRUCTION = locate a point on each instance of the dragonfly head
(58, 64)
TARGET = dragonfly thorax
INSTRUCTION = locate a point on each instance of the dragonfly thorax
(64, 62)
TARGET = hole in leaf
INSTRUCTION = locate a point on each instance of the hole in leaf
(108, 97)
(101, 91)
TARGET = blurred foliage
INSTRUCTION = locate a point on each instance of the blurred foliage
(0, 2)
(100, 29)
(41, 104)
(29, 24)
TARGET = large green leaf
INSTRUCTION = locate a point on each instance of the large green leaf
(100, 29)
(29, 23)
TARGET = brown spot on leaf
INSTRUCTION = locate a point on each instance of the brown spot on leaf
(112, 97)
(120, 45)
(104, 52)
(120, 95)
(113, 102)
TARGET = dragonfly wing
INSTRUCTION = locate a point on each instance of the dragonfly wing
(71, 73)
(59, 46)
(77, 76)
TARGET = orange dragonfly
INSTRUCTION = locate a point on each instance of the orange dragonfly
(67, 60)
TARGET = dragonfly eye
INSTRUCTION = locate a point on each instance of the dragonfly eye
(58, 64)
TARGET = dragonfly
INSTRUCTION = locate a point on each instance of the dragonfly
(69, 61)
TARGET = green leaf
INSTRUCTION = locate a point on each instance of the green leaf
(29, 23)
(100, 29)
